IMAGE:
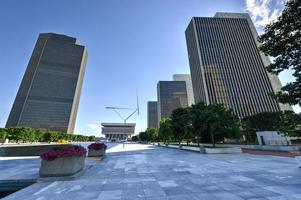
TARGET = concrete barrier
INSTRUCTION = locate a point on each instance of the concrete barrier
(230, 150)
(202, 149)
(272, 147)
(96, 153)
(64, 166)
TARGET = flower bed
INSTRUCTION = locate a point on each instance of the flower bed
(63, 162)
(97, 149)
(65, 152)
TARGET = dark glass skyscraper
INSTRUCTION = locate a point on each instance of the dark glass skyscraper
(171, 95)
(49, 93)
(226, 66)
(152, 114)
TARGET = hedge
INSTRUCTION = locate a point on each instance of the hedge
(26, 134)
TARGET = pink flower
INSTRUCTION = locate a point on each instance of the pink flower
(65, 152)
(97, 146)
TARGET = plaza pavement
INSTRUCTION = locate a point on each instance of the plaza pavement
(157, 173)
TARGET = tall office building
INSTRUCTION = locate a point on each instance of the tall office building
(49, 93)
(226, 66)
(152, 114)
(187, 79)
(171, 95)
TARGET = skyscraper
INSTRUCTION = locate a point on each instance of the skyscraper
(152, 114)
(49, 93)
(226, 66)
(171, 95)
(187, 79)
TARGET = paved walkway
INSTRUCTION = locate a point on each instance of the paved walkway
(151, 173)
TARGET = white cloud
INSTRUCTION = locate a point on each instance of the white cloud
(93, 126)
(264, 11)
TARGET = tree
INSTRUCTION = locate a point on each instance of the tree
(181, 124)
(54, 136)
(221, 121)
(165, 130)
(39, 135)
(152, 134)
(282, 40)
(198, 121)
(135, 138)
(143, 136)
(3, 134)
(290, 123)
(28, 134)
(286, 122)
(92, 138)
(265, 121)
(214, 120)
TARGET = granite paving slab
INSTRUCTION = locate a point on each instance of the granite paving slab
(147, 172)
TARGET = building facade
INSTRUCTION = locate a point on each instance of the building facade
(171, 95)
(226, 66)
(118, 131)
(187, 79)
(152, 114)
(49, 94)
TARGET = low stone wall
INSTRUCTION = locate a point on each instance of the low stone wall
(230, 150)
(28, 150)
(272, 147)
(226, 150)
(271, 152)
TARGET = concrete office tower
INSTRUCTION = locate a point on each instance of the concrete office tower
(171, 95)
(226, 66)
(49, 93)
(187, 79)
(152, 114)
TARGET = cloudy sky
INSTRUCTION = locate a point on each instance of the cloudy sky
(132, 44)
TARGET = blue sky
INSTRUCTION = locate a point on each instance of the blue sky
(131, 44)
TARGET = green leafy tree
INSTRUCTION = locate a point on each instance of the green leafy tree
(198, 121)
(46, 137)
(152, 134)
(54, 136)
(214, 120)
(282, 40)
(143, 136)
(286, 122)
(13, 134)
(39, 135)
(220, 121)
(28, 134)
(265, 121)
(165, 130)
(290, 124)
(92, 138)
(135, 138)
(181, 124)
(3, 134)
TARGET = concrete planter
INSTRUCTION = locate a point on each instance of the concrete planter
(64, 166)
(202, 149)
(298, 159)
(223, 150)
(96, 153)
